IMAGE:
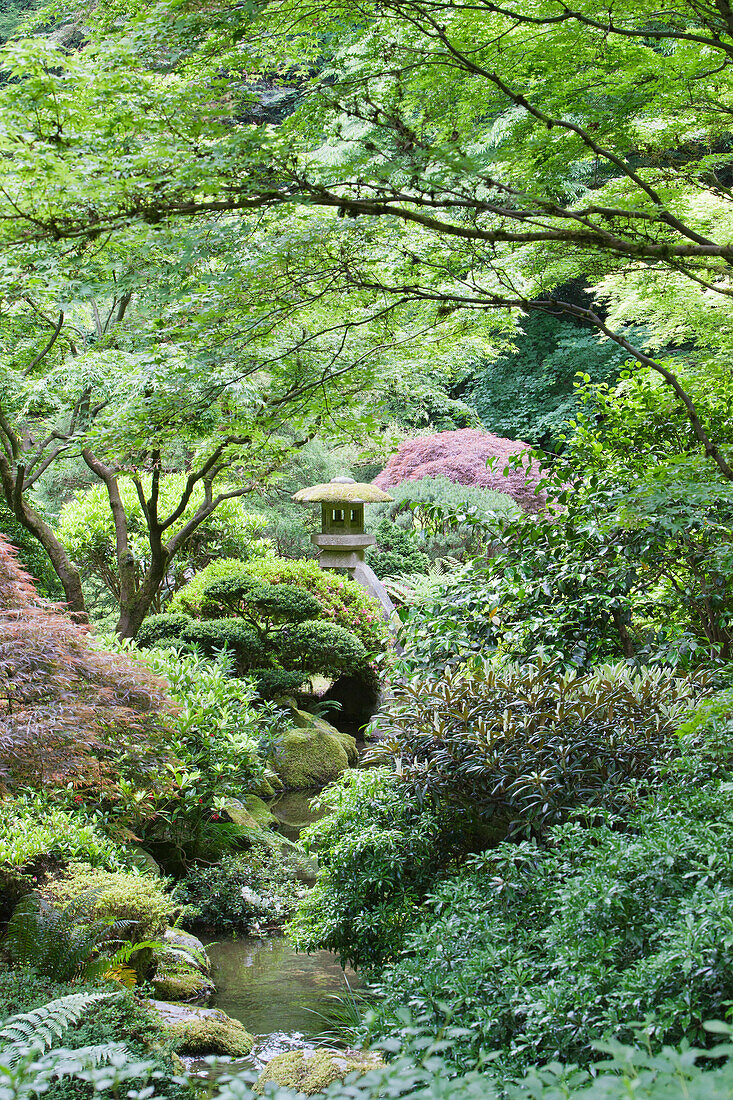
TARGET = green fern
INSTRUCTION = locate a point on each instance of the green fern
(38, 1030)
(60, 943)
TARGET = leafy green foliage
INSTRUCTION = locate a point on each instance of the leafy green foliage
(522, 745)
(102, 1049)
(215, 736)
(140, 901)
(86, 528)
(421, 507)
(37, 835)
(41, 1028)
(60, 942)
(396, 552)
(245, 893)
(31, 555)
(378, 854)
(544, 951)
(529, 392)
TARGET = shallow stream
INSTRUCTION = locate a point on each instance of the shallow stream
(280, 996)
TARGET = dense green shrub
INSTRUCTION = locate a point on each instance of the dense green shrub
(343, 601)
(140, 899)
(378, 854)
(396, 552)
(522, 745)
(273, 625)
(540, 952)
(116, 1020)
(244, 893)
(215, 737)
(37, 836)
(412, 525)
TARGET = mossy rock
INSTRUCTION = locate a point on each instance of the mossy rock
(303, 719)
(311, 1071)
(213, 1034)
(240, 815)
(259, 811)
(182, 983)
(120, 896)
(263, 788)
(203, 1031)
(187, 947)
(180, 951)
(309, 758)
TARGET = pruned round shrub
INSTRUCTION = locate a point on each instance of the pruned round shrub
(213, 635)
(277, 629)
(323, 647)
(342, 601)
(245, 596)
(160, 628)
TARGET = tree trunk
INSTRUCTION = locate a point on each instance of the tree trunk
(65, 569)
(134, 608)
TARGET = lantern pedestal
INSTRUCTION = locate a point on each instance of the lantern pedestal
(347, 552)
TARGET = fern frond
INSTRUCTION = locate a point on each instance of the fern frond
(37, 1030)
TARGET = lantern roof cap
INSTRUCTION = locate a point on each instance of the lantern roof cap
(342, 490)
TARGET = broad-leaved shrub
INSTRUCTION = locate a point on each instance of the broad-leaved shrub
(522, 745)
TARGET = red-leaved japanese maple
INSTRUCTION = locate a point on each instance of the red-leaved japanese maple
(462, 458)
(70, 715)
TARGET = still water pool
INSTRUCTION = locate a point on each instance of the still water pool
(277, 994)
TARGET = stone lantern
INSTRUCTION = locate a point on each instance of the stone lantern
(343, 541)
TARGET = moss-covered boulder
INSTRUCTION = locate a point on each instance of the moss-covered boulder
(237, 812)
(187, 948)
(141, 899)
(182, 982)
(259, 811)
(311, 1071)
(204, 1031)
(302, 719)
(309, 758)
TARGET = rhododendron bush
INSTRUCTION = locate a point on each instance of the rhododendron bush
(464, 457)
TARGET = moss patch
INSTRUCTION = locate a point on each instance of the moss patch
(182, 984)
(311, 1071)
(212, 1033)
(138, 898)
(309, 758)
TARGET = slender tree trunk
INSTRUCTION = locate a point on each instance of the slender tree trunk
(133, 610)
(26, 515)
(627, 643)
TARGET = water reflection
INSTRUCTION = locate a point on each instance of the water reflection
(271, 988)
